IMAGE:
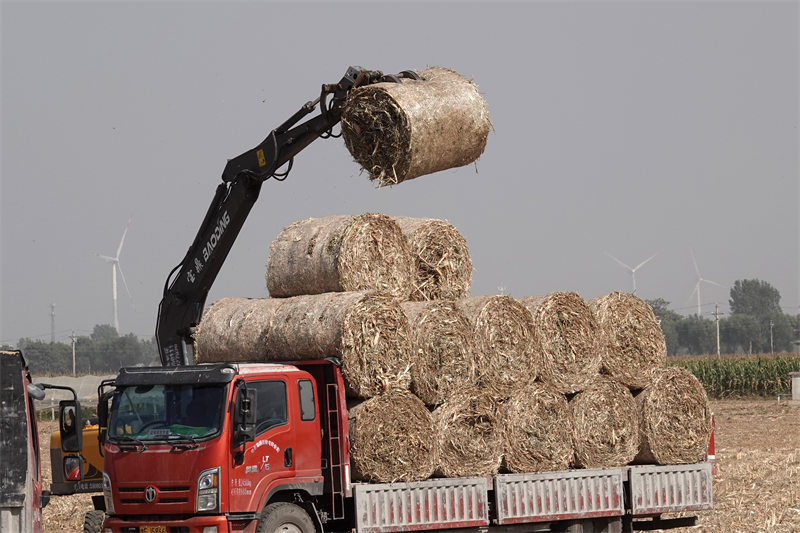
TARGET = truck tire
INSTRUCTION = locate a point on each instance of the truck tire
(93, 522)
(283, 517)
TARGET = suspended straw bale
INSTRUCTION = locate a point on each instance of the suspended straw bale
(399, 131)
(470, 440)
(443, 268)
(537, 430)
(606, 425)
(340, 253)
(442, 360)
(507, 351)
(570, 340)
(674, 419)
(634, 343)
(368, 333)
(391, 439)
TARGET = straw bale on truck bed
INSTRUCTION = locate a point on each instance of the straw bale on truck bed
(340, 253)
(400, 131)
(507, 351)
(570, 340)
(391, 439)
(537, 430)
(635, 345)
(443, 268)
(442, 348)
(606, 425)
(368, 333)
(674, 419)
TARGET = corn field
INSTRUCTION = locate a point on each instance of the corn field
(742, 375)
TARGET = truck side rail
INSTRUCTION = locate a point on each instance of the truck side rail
(656, 489)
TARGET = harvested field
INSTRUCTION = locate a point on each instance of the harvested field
(400, 131)
(756, 489)
(443, 268)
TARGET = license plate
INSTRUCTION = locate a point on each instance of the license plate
(152, 529)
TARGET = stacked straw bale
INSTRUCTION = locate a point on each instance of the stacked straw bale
(442, 355)
(674, 418)
(400, 131)
(368, 333)
(470, 438)
(537, 430)
(340, 253)
(443, 268)
(507, 352)
(391, 439)
(606, 425)
(570, 340)
(634, 342)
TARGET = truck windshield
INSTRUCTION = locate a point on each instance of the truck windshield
(166, 412)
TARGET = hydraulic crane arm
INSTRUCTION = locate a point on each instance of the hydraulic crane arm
(187, 286)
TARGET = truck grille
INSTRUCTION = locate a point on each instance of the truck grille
(165, 495)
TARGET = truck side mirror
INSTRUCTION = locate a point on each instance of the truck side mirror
(244, 418)
(70, 425)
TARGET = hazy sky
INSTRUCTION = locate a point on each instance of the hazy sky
(621, 127)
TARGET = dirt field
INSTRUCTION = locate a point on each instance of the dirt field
(757, 487)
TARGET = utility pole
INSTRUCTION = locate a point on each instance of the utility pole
(74, 338)
(716, 318)
(771, 348)
(52, 323)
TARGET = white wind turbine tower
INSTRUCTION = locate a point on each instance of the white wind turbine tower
(632, 270)
(115, 266)
(700, 279)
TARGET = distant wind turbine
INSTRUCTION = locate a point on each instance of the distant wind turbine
(700, 279)
(631, 270)
(115, 266)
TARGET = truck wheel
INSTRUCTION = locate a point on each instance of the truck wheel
(93, 522)
(283, 517)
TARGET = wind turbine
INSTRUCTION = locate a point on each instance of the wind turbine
(115, 266)
(700, 279)
(631, 270)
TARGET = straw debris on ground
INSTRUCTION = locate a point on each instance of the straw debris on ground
(340, 253)
(634, 342)
(570, 340)
(400, 131)
(674, 419)
(443, 268)
(391, 439)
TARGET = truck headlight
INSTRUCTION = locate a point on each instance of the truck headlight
(208, 490)
(108, 495)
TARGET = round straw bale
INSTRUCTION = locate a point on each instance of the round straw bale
(368, 333)
(537, 430)
(470, 441)
(442, 358)
(634, 343)
(340, 253)
(443, 268)
(391, 439)
(507, 351)
(234, 329)
(399, 131)
(570, 340)
(674, 418)
(606, 425)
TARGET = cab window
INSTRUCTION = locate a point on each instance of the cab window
(307, 409)
(271, 407)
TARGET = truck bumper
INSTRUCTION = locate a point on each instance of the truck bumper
(195, 524)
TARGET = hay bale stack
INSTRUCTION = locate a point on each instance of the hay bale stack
(507, 352)
(469, 435)
(537, 430)
(674, 419)
(368, 333)
(570, 339)
(443, 268)
(399, 131)
(340, 253)
(391, 439)
(442, 360)
(635, 345)
(606, 425)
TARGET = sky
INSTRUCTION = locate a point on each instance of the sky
(621, 128)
